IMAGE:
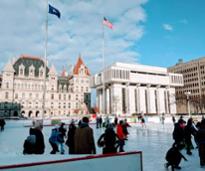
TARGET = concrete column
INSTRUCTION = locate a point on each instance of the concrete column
(127, 99)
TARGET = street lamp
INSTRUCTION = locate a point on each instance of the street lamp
(187, 95)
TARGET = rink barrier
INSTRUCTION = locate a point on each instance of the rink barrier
(134, 163)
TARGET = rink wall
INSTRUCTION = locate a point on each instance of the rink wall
(130, 161)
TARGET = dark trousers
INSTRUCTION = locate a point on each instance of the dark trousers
(121, 145)
(54, 147)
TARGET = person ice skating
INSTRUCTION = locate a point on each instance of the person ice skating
(143, 121)
(121, 136)
(116, 120)
(108, 140)
(188, 132)
(125, 125)
(2, 124)
(100, 122)
(163, 118)
(173, 119)
(53, 140)
(201, 142)
(84, 139)
(97, 122)
(62, 133)
(29, 143)
(173, 157)
(70, 138)
(39, 145)
(178, 133)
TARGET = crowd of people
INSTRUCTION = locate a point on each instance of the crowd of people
(79, 139)
(182, 136)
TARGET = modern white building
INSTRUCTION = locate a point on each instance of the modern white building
(22, 87)
(135, 88)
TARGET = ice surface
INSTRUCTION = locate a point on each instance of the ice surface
(153, 141)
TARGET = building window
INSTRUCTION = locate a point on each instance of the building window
(69, 97)
(6, 95)
(52, 96)
(16, 96)
(30, 95)
(59, 96)
(21, 71)
(64, 96)
(7, 85)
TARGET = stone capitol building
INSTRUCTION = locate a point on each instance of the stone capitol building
(22, 86)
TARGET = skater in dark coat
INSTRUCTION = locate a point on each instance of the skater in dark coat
(178, 134)
(2, 124)
(100, 122)
(174, 157)
(125, 125)
(70, 138)
(108, 140)
(116, 121)
(35, 144)
(29, 143)
(84, 139)
(40, 145)
(201, 142)
(188, 132)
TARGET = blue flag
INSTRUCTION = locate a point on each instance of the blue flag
(54, 11)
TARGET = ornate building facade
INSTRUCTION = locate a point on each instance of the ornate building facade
(22, 89)
(135, 88)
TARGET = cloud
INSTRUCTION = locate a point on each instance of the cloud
(79, 31)
(168, 27)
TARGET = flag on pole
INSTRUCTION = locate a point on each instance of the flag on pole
(107, 23)
(54, 11)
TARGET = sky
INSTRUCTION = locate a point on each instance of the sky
(150, 32)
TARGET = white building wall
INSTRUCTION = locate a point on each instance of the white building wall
(132, 99)
(161, 99)
(142, 99)
(117, 98)
(152, 100)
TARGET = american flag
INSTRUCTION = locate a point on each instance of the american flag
(107, 23)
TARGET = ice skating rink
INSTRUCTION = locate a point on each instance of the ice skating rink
(153, 141)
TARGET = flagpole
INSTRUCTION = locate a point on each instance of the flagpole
(45, 61)
(103, 73)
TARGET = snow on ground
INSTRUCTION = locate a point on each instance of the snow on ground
(153, 141)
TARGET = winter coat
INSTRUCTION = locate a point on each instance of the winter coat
(108, 141)
(70, 138)
(178, 133)
(201, 141)
(120, 132)
(40, 145)
(84, 140)
(37, 146)
(54, 136)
